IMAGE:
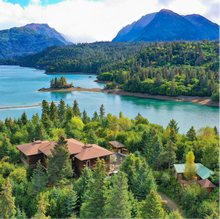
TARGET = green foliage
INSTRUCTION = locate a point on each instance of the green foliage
(59, 83)
(152, 206)
(118, 206)
(7, 206)
(59, 164)
(94, 200)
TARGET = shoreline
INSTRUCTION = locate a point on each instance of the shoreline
(190, 99)
(71, 73)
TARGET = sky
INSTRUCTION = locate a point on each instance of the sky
(95, 20)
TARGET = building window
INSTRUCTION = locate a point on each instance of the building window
(107, 157)
(23, 156)
(88, 163)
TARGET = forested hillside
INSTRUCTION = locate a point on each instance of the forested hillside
(169, 68)
(23, 191)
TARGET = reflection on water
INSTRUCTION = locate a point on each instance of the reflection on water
(21, 85)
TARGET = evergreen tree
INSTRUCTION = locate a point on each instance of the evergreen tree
(45, 107)
(39, 179)
(169, 155)
(24, 118)
(70, 203)
(94, 197)
(69, 112)
(92, 139)
(85, 118)
(95, 117)
(53, 112)
(174, 215)
(48, 124)
(7, 202)
(118, 206)
(59, 164)
(76, 110)
(42, 208)
(190, 167)
(173, 125)
(102, 111)
(152, 206)
(20, 214)
(81, 185)
(158, 150)
(191, 134)
(40, 133)
(173, 136)
(61, 110)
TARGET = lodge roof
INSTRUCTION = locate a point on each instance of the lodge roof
(202, 171)
(117, 144)
(77, 148)
(206, 183)
(92, 151)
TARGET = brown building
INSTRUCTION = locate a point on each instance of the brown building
(81, 155)
(205, 183)
(118, 147)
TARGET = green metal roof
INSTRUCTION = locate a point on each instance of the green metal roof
(202, 171)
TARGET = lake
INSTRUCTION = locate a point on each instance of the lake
(19, 87)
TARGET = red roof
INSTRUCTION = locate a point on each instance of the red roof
(77, 148)
(206, 183)
(91, 151)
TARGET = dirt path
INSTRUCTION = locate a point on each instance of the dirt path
(170, 204)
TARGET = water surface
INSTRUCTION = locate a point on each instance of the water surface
(19, 87)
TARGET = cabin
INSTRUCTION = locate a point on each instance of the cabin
(118, 147)
(81, 155)
(205, 183)
(202, 172)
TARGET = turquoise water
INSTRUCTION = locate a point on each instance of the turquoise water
(19, 87)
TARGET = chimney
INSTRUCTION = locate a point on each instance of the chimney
(34, 140)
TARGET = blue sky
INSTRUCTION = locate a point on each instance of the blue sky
(25, 3)
(95, 20)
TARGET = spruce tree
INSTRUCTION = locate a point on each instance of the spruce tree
(118, 206)
(24, 118)
(173, 125)
(40, 133)
(42, 208)
(69, 112)
(102, 111)
(92, 139)
(39, 179)
(59, 164)
(169, 153)
(53, 112)
(61, 110)
(85, 118)
(191, 134)
(95, 117)
(152, 206)
(45, 107)
(7, 202)
(81, 185)
(70, 203)
(76, 110)
(94, 197)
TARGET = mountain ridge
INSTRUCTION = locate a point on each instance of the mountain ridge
(31, 38)
(167, 25)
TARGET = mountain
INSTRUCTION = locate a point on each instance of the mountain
(21, 41)
(167, 25)
(130, 31)
(212, 29)
(45, 30)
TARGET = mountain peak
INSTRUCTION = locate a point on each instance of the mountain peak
(167, 25)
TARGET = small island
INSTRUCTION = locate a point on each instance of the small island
(58, 84)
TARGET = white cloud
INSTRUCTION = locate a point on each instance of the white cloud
(99, 20)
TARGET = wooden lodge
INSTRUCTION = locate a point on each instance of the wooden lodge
(202, 173)
(118, 147)
(81, 155)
